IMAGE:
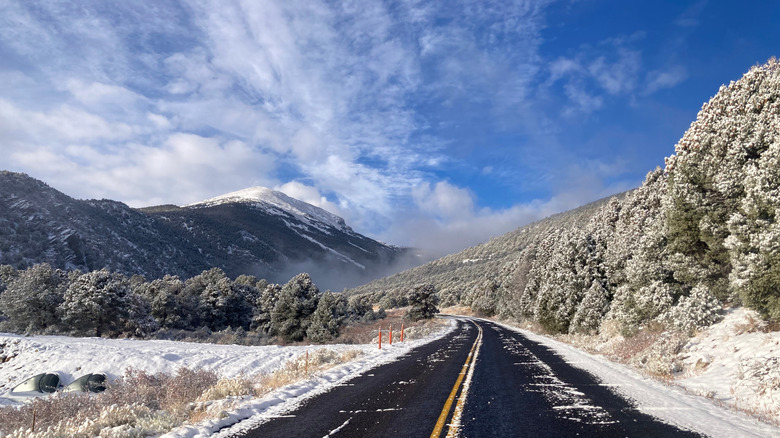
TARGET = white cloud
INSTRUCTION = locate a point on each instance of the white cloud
(660, 79)
(309, 194)
(584, 102)
(64, 122)
(443, 200)
(619, 76)
(100, 95)
(563, 67)
(611, 67)
(448, 220)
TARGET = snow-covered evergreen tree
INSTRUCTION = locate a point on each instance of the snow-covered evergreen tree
(590, 313)
(423, 301)
(297, 301)
(7, 274)
(754, 242)
(698, 310)
(325, 321)
(714, 181)
(222, 305)
(165, 299)
(32, 297)
(96, 303)
(264, 306)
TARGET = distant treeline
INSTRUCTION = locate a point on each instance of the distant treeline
(43, 300)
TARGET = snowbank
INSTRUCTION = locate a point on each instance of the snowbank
(735, 363)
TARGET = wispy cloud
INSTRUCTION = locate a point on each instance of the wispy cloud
(611, 68)
(660, 79)
(691, 17)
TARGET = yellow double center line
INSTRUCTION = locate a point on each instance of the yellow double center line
(451, 399)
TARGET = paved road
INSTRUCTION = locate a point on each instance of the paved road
(480, 380)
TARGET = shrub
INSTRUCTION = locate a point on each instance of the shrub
(423, 301)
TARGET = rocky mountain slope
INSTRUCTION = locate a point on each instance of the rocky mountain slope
(255, 231)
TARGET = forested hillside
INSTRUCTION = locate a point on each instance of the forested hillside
(700, 234)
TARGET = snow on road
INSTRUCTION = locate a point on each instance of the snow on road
(671, 404)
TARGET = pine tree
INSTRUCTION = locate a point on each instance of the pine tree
(96, 303)
(591, 310)
(423, 301)
(264, 306)
(708, 189)
(223, 305)
(165, 299)
(693, 312)
(325, 321)
(7, 274)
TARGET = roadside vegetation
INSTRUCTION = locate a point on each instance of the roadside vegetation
(143, 404)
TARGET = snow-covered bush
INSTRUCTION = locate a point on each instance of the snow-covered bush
(228, 387)
(661, 357)
(698, 310)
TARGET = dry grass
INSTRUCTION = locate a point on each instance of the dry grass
(627, 348)
(459, 310)
(139, 402)
(751, 325)
(368, 333)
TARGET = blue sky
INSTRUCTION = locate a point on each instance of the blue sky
(424, 123)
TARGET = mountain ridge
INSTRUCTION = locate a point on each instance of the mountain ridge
(241, 236)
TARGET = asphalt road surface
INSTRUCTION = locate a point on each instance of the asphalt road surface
(481, 380)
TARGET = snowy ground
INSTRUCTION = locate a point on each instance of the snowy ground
(733, 363)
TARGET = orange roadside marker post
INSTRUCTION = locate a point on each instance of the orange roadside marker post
(380, 337)
(402, 332)
(391, 335)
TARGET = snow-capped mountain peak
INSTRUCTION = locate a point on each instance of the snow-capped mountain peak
(265, 198)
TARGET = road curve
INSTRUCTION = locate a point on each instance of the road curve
(480, 380)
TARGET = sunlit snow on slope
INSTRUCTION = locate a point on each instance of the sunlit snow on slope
(737, 363)
(271, 198)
